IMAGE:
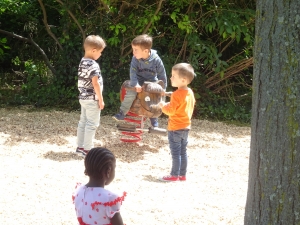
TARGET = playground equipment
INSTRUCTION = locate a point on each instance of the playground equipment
(143, 107)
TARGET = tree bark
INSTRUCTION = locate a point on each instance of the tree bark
(274, 164)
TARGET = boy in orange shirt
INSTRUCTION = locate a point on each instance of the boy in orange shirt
(180, 110)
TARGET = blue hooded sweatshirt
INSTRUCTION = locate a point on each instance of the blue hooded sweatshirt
(150, 69)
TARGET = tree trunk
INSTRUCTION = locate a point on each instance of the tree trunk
(274, 165)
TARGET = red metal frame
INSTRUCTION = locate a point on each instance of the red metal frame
(133, 136)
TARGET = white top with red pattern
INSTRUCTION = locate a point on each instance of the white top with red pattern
(96, 205)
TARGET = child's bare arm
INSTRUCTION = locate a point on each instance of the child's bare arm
(97, 89)
(161, 104)
(117, 219)
(168, 93)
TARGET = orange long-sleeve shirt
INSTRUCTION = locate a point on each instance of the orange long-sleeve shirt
(180, 109)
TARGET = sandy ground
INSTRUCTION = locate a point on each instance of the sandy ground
(39, 170)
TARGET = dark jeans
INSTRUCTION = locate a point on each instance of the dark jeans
(178, 141)
(154, 122)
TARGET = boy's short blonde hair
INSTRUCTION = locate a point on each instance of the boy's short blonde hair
(185, 70)
(94, 41)
(144, 41)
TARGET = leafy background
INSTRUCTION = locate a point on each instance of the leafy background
(41, 46)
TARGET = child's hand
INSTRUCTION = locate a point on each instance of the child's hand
(168, 93)
(101, 104)
(161, 104)
(138, 88)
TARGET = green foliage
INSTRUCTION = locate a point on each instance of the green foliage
(214, 36)
(231, 24)
(40, 87)
(3, 46)
(219, 109)
(13, 6)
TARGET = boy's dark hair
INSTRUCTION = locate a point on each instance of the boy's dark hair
(94, 41)
(97, 161)
(144, 41)
(185, 70)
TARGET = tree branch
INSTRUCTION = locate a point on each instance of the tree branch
(47, 26)
(75, 20)
(29, 40)
(105, 5)
(123, 6)
(183, 48)
(156, 12)
(229, 72)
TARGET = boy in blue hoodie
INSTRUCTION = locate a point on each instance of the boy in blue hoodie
(146, 65)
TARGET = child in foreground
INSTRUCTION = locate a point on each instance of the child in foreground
(93, 203)
(90, 86)
(180, 110)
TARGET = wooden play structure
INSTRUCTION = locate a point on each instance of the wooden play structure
(143, 107)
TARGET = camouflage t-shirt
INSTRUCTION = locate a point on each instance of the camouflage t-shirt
(88, 68)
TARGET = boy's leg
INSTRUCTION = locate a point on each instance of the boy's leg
(81, 127)
(92, 122)
(183, 154)
(127, 102)
(175, 147)
(125, 105)
(154, 122)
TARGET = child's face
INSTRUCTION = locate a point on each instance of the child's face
(96, 53)
(177, 81)
(140, 53)
(111, 174)
(92, 53)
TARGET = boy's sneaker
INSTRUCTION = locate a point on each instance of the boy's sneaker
(81, 151)
(85, 152)
(169, 178)
(119, 116)
(182, 178)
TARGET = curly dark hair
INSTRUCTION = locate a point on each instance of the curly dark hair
(97, 161)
